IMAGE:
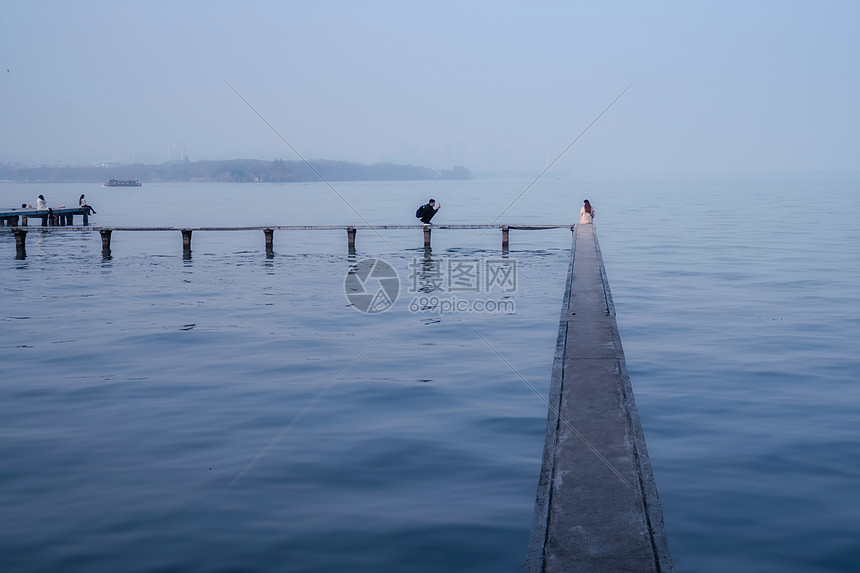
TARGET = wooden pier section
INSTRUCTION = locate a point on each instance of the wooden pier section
(596, 508)
(106, 233)
(60, 217)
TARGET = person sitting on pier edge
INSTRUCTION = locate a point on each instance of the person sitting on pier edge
(426, 212)
(83, 203)
(587, 213)
(40, 203)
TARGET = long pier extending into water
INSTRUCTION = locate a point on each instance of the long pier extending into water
(596, 508)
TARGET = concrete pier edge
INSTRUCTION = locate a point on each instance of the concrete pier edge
(647, 484)
(540, 519)
(536, 560)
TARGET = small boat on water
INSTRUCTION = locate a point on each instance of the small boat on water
(123, 183)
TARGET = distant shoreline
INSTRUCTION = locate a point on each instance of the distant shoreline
(233, 171)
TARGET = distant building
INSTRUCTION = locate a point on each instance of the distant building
(176, 152)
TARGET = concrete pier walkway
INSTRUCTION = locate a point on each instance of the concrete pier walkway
(596, 507)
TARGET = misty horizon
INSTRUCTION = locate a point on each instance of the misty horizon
(717, 88)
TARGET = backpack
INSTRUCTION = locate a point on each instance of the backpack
(420, 211)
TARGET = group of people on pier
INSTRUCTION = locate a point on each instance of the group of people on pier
(424, 213)
(42, 205)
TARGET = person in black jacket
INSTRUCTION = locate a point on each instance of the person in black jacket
(426, 212)
(83, 203)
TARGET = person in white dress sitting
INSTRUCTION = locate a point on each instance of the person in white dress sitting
(586, 214)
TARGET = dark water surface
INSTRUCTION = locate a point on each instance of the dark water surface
(233, 412)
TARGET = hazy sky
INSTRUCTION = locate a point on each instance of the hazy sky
(720, 87)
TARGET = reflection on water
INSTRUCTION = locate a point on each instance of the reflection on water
(138, 384)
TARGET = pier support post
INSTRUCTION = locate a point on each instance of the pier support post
(86, 217)
(20, 243)
(505, 233)
(270, 242)
(350, 239)
(23, 220)
(105, 233)
(426, 236)
(186, 243)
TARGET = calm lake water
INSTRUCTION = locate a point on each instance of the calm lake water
(235, 412)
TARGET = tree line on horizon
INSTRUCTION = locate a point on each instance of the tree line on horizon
(234, 171)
